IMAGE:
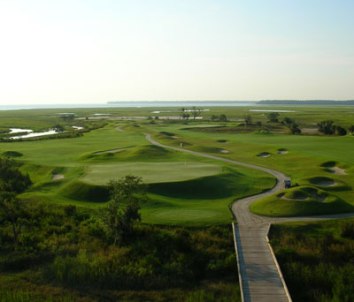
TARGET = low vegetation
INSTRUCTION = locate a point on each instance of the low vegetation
(317, 259)
(108, 251)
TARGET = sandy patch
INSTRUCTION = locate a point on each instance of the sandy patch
(282, 151)
(57, 177)
(309, 130)
(337, 171)
(264, 154)
(224, 151)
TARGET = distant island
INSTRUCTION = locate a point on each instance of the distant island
(308, 102)
(184, 103)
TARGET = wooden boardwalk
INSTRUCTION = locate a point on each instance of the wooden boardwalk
(260, 277)
(259, 274)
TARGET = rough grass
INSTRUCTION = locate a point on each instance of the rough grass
(316, 259)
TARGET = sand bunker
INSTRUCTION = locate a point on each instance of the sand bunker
(309, 131)
(323, 182)
(337, 171)
(263, 154)
(331, 167)
(224, 151)
(282, 151)
(57, 177)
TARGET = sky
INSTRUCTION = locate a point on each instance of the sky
(94, 51)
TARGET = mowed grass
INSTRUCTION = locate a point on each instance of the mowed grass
(204, 200)
(304, 161)
(69, 152)
(112, 151)
(89, 162)
(301, 201)
(150, 172)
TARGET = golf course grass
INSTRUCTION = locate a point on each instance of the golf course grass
(150, 172)
(185, 189)
(301, 201)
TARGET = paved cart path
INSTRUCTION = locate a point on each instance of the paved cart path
(260, 277)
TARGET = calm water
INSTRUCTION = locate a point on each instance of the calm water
(134, 104)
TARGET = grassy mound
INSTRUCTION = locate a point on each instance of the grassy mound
(165, 134)
(150, 151)
(12, 154)
(85, 192)
(210, 187)
(129, 153)
(301, 201)
(310, 194)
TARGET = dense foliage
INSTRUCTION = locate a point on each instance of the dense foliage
(106, 250)
(11, 179)
(73, 250)
(317, 259)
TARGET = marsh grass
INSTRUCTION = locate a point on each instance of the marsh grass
(316, 259)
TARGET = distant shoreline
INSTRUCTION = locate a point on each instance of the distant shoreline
(307, 102)
(133, 104)
(201, 103)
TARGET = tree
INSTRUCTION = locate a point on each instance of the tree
(273, 117)
(351, 129)
(123, 208)
(11, 179)
(58, 128)
(292, 125)
(223, 118)
(248, 120)
(214, 118)
(196, 112)
(341, 131)
(326, 127)
(13, 213)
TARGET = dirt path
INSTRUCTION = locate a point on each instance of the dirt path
(260, 277)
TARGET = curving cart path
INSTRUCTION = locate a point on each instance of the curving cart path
(260, 276)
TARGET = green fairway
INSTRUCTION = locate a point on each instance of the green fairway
(186, 189)
(150, 172)
(204, 200)
(325, 162)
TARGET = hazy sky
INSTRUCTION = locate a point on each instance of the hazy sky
(60, 51)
